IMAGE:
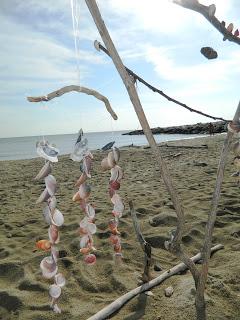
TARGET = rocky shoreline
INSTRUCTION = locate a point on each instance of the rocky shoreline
(198, 128)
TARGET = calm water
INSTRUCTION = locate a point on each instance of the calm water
(24, 147)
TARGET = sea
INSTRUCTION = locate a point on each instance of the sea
(25, 147)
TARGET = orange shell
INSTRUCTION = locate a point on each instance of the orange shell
(85, 250)
(43, 245)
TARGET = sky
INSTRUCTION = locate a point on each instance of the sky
(157, 39)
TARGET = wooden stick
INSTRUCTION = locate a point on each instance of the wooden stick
(206, 12)
(99, 47)
(67, 89)
(128, 81)
(118, 303)
(147, 249)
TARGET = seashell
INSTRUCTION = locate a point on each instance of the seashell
(105, 165)
(46, 170)
(80, 150)
(51, 184)
(111, 159)
(168, 291)
(47, 151)
(54, 253)
(47, 214)
(230, 27)
(57, 218)
(90, 259)
(85, 250)
(84, 241)
(87, 165)
(53, 234)
(56, 308)
(117, 248)
(60, 280)
(118, 208)
(115, 185)
(76, 197)
(44, 196)
(114, 239)
(90, 211)
(112, 224)
(43, 245)
(236, 33)
(116, 154)
(111, 192)
(91, 227)
(116, 198)
(81, 180)
(84, 191)
(52, 203)
(236, 148)
(55, 291)
(83, 204)
(49, 267)
(116, 174)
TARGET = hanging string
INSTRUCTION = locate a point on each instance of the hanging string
(75, 8)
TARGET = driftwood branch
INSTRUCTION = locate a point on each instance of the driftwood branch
(146, 247)
(208, 13)
(118, 303)
(99, 47)
(203, 146)
(128, 81)
(67, 89)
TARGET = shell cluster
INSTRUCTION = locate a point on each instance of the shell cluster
(54, 218)
(111, 163)
(230, 29)
(87, 226)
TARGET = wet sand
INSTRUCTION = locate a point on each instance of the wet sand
(24, 292)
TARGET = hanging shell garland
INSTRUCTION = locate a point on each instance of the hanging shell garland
(87, 226)
(111, 163)
(54, 218)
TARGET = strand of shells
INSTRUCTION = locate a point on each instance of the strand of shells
(54, 218)
(111, 163)
(87, 227)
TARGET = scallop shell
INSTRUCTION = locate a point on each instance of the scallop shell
(49, 267)
(53, 234)
(90, 211)
(90, 259)
(111, 159)
(84, 191)
(55, 291)
(51, 184)
(44, 196)
(105, 165)
(46, 170)
(57, 218)
(47, 214)
(116, 154)
(116, 174)
(60, 280)
(81, 180)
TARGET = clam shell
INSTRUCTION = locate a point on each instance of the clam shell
(111, 159)
(51, 184)
(57, 218)
(55, 291)
(90, 259)
(90, 211)
(49, 267)
(44, 196)
(105, 165)
(53, 234)
(84, 191)
(116, 154)
(81, 180)
(47, 214)
(45, 171)
(116, 174)
(60, 280)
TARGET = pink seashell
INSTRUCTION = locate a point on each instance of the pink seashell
(49, 267)
(54, 253)
(55, 291)
(53, 234)
(87, 166)
(111, 192)
(43, 197)
(45, 170)
(111, 159)
(81, 180)
(115, 198)
(76, 197)
(115, 185)
(57, 218)
(90, 259)
(51, 184)
(90, 211)
(114, 239)
(116, 174)
(60, 280)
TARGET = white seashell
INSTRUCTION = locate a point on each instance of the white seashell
(56, 309)
(47, 151)
(116, 154)
(47, 214)
(168, 291)
(87, 166)
(116, 174)
(54, 253)
(111, 159)
(105, 165)
(52, 203)
(53, 234)
(90, 211)
(84, 241)
(60, 280)
(55, 291)
(80, 150)
(84, 222)
(91, 228)
(84, 191)
(51, 184)
(57, 218)
(43, 197)
(46, 170)
(49, 267)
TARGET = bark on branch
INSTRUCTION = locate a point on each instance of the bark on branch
(67, 89)
(146, 247)
(118, 303)
(207, 11)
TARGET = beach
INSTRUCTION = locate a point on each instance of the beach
(23, 290)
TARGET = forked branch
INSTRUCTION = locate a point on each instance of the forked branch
(209, 13)
(67, 89)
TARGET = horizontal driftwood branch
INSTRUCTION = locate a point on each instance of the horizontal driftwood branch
(206, 11)
(203, 146)
(80, 89)
(118, 303)
(99, 47)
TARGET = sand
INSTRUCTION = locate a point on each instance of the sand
(23, 291)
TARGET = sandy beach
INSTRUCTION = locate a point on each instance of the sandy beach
(23, 290)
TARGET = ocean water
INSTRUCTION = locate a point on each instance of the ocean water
(25, 147)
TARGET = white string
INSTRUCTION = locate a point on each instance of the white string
(75, 6)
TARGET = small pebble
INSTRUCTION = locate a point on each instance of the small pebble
(168, 291)
(149, 293)
(157, 267)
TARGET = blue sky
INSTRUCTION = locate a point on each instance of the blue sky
(156, 38)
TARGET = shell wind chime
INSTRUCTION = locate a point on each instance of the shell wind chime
(87, 227)
(54, 218)
(111, 163)
(235, 128)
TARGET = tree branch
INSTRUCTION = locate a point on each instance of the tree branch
(99, 47)
(118, 303)
(67, 89)
(206, 11)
